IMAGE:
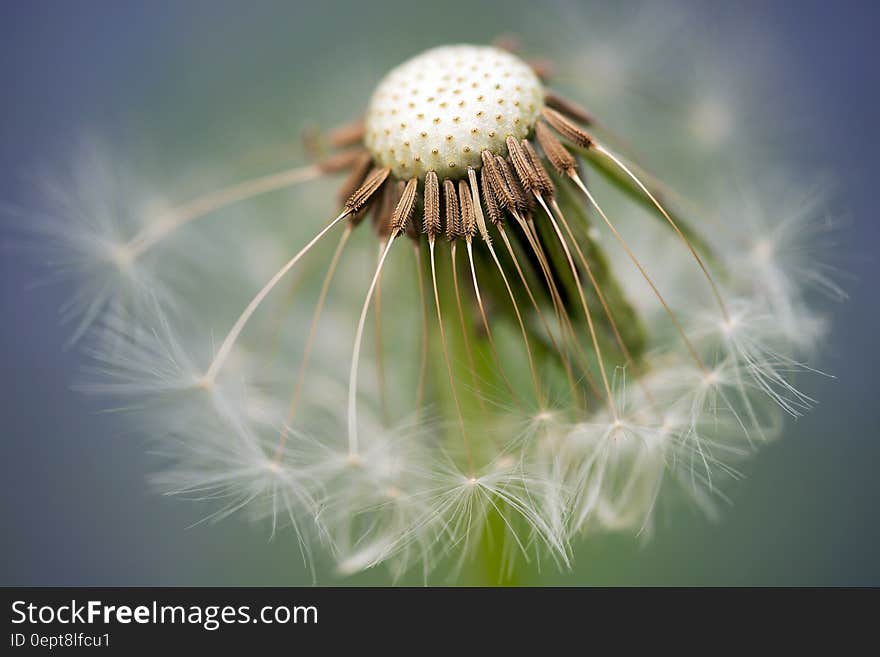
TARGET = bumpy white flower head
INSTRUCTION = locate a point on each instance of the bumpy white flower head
(516, 353)
(439, 110)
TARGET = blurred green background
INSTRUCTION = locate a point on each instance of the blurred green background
(202, 82)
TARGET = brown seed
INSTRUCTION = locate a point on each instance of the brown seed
(468, 218)
(563, 161)
(355, 179)
(567, 128)
(394, 196)
(431, 223)
(450, 203)
(374, 180)
(480, 216)
(568, 107)
(503, 196)
(403, 212)
(543, 68)
(522, 166)
(341, 161)
(496, 216)
(522, 202)
(545, 182)
(347, 135)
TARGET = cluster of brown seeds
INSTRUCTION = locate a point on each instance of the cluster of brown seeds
(454, 208)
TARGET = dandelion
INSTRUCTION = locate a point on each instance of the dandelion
(546, 358)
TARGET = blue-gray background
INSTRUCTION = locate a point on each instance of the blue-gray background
(74, 504)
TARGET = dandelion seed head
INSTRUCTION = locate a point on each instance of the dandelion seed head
(547, 359)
